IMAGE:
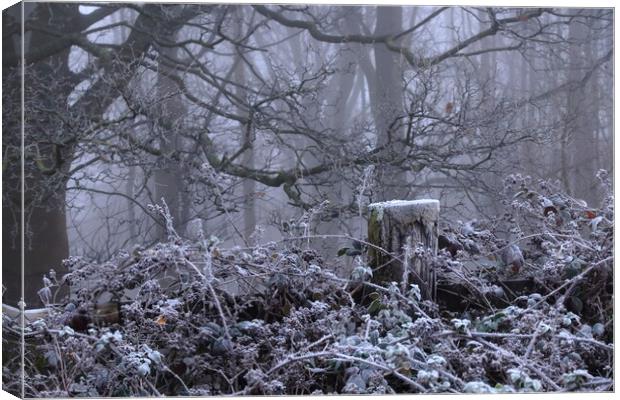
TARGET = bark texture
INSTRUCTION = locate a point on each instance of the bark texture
(396, 226)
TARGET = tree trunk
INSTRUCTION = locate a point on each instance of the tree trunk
(11, 162)
(249, 185)
(398, 227)
(131, 207)
(49, 142)
(168, 179)
(387, 103)
(48, 157)
(337, 114)
(584, 145)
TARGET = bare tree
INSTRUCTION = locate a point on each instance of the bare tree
(208, 106)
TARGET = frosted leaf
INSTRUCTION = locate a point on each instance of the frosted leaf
(153, 355)
(586, 330)
(144, 369)
(66, 331)
(461, 325)
(427, 376)
(315, 269)
(598, 329)
(414, 292)
(361, 273)
(436, 360)
(45, 294)
(576, 378)
(249, 325)
(477, 387)
(39, 324)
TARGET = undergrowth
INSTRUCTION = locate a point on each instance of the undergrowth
(193, 318)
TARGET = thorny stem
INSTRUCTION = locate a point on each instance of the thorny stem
(339, 237)
(393, 371)
(383, 289)
(518, 360)
(177, 377)
(571, 281)
(501, 335)
(530, 346)
(338, 357)
(214, 295)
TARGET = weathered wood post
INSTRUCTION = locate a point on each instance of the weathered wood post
(396, 226)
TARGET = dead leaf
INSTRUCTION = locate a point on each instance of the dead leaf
(590, 214)
(161, 320)
(449, 107)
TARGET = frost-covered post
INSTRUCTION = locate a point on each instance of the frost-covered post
(398, 226)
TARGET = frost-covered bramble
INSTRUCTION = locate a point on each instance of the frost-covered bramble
(197, 319)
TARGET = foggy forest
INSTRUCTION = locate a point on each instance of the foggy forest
(215, 199)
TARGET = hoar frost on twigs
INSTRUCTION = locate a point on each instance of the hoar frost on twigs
(290, 326)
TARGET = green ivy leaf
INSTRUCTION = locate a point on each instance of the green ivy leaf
(342, 251)
(376, 306)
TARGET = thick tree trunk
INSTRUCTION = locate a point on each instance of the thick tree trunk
(398, 227)
(50, 142)
(11, 162)
(48, 157)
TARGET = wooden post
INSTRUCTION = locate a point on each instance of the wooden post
(398, 226)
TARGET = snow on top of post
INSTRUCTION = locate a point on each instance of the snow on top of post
(427, 209)
(400, 203)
